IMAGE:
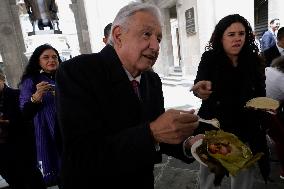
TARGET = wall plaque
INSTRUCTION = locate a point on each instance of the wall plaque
(189, 21)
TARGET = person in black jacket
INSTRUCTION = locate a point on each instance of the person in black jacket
(230, 73)
(107, 31)
(17, 147)
(276, 50)
(113, 134)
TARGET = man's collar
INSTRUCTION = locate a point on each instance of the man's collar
(271, 30)
(130, 77)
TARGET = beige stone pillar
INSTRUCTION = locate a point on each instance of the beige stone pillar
(78, 9)
(12, 46)
(165, 63)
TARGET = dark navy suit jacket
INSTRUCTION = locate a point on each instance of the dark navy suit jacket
(105, 127)
(270, 54)
(267, 40)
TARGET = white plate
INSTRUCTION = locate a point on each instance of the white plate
(193, 151)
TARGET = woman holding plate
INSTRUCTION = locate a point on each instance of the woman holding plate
(229, 74)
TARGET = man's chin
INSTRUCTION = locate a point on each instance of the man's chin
(149, 68)
(146, 67)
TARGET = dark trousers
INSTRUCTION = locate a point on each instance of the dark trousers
(276, 132)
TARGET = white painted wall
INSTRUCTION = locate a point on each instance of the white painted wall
(189, 44)
(207, 15)
(243, 7)
(275, 10)
(67, 25)
(211, 11)
(174, 26)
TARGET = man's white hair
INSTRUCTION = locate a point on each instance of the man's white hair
(123, 16)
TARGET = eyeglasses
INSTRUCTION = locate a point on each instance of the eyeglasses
(55, 58)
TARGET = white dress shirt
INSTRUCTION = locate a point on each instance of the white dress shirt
(274, 83)
(280, 49)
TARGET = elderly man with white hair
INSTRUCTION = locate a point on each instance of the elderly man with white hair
(111, 108)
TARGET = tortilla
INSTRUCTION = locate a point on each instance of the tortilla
(263, 103)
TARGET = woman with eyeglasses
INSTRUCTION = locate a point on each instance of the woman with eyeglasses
(37, 103)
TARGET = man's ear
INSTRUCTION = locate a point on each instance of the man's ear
(105, 40)
(116, 33)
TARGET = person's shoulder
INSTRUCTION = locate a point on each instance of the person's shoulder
(79, 61)
(209, 55)
(12, 92)
(270, 49)
(267, 32)
(83, 66)
(30, 79)
(153, 77)
(274, 73)
(270, 69)
(152, 73)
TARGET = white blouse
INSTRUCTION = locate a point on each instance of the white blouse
(274, 83)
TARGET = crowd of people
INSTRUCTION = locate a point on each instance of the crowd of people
(29, 135)
(59, 120)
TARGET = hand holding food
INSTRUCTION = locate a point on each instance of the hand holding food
(174, 126)
(41, 88)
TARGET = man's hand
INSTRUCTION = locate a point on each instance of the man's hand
(202, 89)
(174, 126)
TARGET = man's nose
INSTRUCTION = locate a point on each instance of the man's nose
(155, 44)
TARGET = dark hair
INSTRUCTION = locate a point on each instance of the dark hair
(33, 67)
(216, 37)
(280, 33)
(273, 20)
(107, 30)
(278, 63)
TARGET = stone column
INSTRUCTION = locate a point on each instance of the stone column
(78, 9)
(165, 62)
(12, 46)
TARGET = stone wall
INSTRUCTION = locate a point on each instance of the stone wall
(11, 42)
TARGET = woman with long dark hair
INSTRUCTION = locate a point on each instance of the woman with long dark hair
(37, 103)
(230, 73)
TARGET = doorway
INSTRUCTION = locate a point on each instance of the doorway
(260, 17)
(175, 37)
